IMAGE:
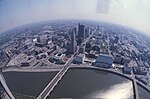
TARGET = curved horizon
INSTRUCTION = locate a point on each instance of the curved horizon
(134, 14)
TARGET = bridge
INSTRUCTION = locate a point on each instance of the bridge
(45, 93)
(4, 85)
(49, 88)
(53, 83)
(131, 77)
(62, 72)
(136, 94)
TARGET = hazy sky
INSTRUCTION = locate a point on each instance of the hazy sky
(133, 13)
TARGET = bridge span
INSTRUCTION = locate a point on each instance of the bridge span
(4, 85)
(53, 83)
(62, 72)
(136, 93)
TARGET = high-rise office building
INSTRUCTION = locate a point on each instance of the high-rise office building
(42, 38)
(82, 49)
(81, 33)
(87, 32)
(116, 39)
(75, 30)
(73, 45)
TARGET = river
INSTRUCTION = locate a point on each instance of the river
(77, 83)
(92, 84)
(28, 84)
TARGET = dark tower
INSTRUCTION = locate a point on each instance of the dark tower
(87, 32)
(81, 33)
(73, 42)
(116, 39)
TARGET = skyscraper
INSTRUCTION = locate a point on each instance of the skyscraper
(73, 42)
(116, 39)
(75, 30)
(81, 33)
(87, 32)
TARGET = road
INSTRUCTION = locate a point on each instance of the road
(32, 69)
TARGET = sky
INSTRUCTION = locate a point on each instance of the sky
(132, 13)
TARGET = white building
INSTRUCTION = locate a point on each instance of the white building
(59, 56)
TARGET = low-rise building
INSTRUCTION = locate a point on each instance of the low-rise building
(104, 60)
(118, 59)
(28, 61)
(137, 70)
(59, 56)
(127, 69)
(126, 60)
(79, 59)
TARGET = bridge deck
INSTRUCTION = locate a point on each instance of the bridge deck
(4, 85)
(53, 83)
